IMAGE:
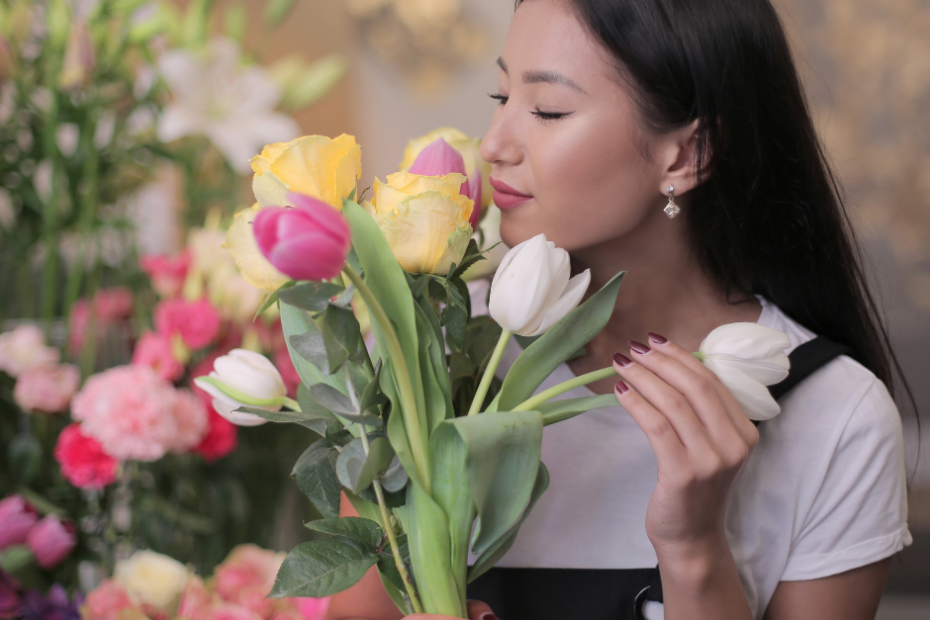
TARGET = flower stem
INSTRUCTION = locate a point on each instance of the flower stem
(533, 402)
(407, 400)
(488, 375)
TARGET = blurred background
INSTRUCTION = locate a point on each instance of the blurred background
(383, 71)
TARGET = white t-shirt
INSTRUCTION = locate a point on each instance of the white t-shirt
(822, 493)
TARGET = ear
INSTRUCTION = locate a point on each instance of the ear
(678, 157)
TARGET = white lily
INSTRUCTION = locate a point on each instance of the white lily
(748, 357)
(231, 105)
(244, 378)
(531, 290)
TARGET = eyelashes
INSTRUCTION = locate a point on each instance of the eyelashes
(544, 116)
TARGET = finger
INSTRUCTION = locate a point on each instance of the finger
(744, 425)
(670, 451)
(664, 398)
(479, 610)
(701, 395)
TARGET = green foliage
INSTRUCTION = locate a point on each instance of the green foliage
(356, 470)
(324, 567)
(316, 477)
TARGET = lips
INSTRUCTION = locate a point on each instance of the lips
(506, 197)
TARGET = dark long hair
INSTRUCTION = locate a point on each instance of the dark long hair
(768, 217)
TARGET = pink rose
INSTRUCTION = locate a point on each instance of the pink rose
(113, 304)
(16, 519)
(312, 608)
(130, 411)
(106, 601)
(24, 348)
(246, 577)
(197, 322)
(51, 540)
(47, 388)
(193, 421)
(167, 272)
(154, 350)
(229, 611)
(83, 461)
(285, 365)
(308, 242)
(196, 601)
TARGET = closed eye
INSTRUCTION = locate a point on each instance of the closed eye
(549, 116)
(501, 99)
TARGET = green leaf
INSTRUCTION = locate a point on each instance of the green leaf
(235, 22)
(297, 322)
(542, 357)
(430, 553)
(395, 476)
(559, 410)
(388, 568)
(472, 256)
(341, 335)
(396, 429)
(25, 457)
(276, 11)
(436, 389)
(356, 528)
(316, 477)
(503, 459)
(14, 558)
(335, 401)
(310, 296)
(323, 567)
(314, 82)
(355, 470)
(317, 423)
(502, 545)
(372, 398)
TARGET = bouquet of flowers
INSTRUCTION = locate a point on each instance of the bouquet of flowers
(436, 454)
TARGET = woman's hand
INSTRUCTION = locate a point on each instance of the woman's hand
(701, 438)
(476, 611)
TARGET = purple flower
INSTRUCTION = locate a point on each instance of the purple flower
(10, 597)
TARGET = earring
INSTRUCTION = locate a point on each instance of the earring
(671, 209)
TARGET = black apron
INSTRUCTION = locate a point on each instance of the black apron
(609, 594)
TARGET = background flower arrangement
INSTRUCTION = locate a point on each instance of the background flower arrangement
(101, 428)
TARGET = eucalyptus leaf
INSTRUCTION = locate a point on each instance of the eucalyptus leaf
(332, 399)
(311, 296)
(297, 322)
(357, 528)
(316, 477)
(312, 348)
(323, 567)
(341, 335)
(542, 357)
(502, 545)
(394, 477)
(317, 424)
(356, 470)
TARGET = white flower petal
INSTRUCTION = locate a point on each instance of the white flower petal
(518, 292)
(571, 297)
(238, 418)
(746, 340)
(754, 398)
(176, 122)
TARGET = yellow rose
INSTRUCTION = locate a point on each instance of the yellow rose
(255, 268)
(152, 578)
(467, 148)
(317, 166)
(424, 219)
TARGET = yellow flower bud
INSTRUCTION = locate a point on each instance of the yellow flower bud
(424, 219)
(325, 168)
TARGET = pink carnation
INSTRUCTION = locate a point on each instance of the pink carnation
(196, 601)
(167, 272)
(113, 304)
(24, 348)
(154, 350)
(16, 519)
(47, 388)
(312, 608)
(193, 421)
(106, 602)
(230, 611)
(246, 577)
(83, 462)
(197, 322)
(130, 411)
(51, 540)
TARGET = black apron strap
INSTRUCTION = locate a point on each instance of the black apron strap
(806, 359)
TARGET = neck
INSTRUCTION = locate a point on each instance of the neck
(665, 291)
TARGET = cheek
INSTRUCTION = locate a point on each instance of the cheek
(590, 183)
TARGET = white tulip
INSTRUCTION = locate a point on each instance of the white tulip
(531, 290)
(244, 378)
(747, 357)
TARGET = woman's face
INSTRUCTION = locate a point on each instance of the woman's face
(566, 134)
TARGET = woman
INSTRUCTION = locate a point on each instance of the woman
(613, 114)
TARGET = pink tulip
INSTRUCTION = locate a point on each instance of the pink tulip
(16, 519)
(439, 159)
(51, 540)
(308, 242)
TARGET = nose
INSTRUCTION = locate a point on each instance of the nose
(500, 145)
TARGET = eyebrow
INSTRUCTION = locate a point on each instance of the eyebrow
(544, 77)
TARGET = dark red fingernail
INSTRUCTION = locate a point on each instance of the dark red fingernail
(488, 615)
(656, 338)
(639, 347)
(622, 387)
(622, 360)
